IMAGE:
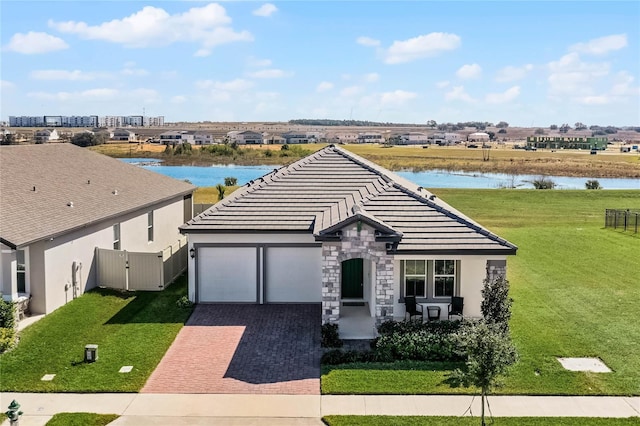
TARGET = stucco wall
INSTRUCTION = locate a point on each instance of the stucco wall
(7, 271)
(473, 271)
(51, 285)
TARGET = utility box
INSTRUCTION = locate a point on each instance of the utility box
(90, 353)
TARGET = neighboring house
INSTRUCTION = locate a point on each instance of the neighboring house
(567, 142)
(295, 137)
(247, 137)
(46, 135)
(177, 137)
(203, 138)
(123, 135)
(271, 139)
(370, 137)
(446, 138)
(343, 137)
(334, 228)
(59, 202)
(412, 138)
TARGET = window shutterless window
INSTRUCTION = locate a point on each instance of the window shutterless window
(444, 278)
(150, 226)
(21, 271)
(415, 278)
(116, 236)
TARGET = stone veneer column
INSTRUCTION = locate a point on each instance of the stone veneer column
(496, 269)
(356, 244)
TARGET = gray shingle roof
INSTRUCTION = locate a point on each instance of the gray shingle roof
(64, 173)
(328, 188)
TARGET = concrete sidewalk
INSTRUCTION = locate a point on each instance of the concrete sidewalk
(230, 409)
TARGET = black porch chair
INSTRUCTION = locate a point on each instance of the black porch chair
(456, 306)
(412, 308)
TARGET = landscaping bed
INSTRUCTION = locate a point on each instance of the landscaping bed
(130, 328)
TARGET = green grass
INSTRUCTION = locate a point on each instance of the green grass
(473, 421)
(130, 329)
(575, 288)
(81, 419)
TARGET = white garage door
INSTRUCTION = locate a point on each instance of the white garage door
(294, 274)
(227, 274)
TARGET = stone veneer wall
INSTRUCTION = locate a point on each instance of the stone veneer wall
(496, 268)
(356, 244)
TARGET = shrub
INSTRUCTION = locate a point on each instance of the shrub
(7, 314)
(543, 183)
(330, 336)
(410, 340)
(184, 303)
(230, 181)
(7, 339)
(592, 184)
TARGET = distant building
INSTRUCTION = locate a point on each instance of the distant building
(177, 137)
(343, 137)
(370, 137)
(446, 138)
(123, 135)
(85, 121)
(246, 137)
(295, 137)
(412, 138)
(478, 137)
(567, 142)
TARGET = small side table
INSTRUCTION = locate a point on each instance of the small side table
(433, 313)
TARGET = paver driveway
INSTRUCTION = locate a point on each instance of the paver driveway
(227, 348)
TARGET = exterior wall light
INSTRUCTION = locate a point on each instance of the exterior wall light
(192, 252)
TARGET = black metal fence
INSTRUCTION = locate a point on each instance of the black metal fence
(627, 220)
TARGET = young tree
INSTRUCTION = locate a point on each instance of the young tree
(85, 139)
(490, 353)
(502, 125)
(230, 181)
(220, 188)
(487, 343)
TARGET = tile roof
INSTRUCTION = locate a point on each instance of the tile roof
(328, 188)
(63, 174)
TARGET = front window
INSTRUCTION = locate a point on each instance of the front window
(150, 226)
(415, 278)
(21, 271)
(444, 278)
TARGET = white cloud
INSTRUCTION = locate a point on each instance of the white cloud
(622, 85)
(458, 93)
(504, 97)
(153, 27)
(351, 91)
(570, 76)
(237, 85)
(265, 10)
(269, 73)
(511, 73)
(397, 97)
(442, 84)
(6, 85)
(258, 63)
(178, 99)
(371, 77)
(130, 69)
(602, 45)
(368, 41)
(595, 100)
(324, 86)
(469, 71)
(421, 47)
(90, 94)
(35, 42)
(75, 75)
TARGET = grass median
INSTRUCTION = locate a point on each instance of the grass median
(130, 329)
(575, 290)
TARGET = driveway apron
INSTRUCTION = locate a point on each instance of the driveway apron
(231, 348)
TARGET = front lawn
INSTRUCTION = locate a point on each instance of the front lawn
(81, 419)
(473, 421)
(576, 294)
(130, 329)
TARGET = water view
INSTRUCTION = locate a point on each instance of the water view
(213, 175)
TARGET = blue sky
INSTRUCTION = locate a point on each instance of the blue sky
(527, 63)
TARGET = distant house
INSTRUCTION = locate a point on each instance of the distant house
(446, 139)
(412, 138)
(567, 142)
(177, 137)
(273, 139)
(247, 137)
(203, 138)
(343, 137)
(123, 135)
(370, 137)
(46, 135)
(338, 230)
(295, 137)
(68, 203)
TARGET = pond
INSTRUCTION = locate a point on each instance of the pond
(213, 175)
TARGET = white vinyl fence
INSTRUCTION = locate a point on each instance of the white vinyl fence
(127, 270)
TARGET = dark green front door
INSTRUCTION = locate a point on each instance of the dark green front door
(352, 279)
